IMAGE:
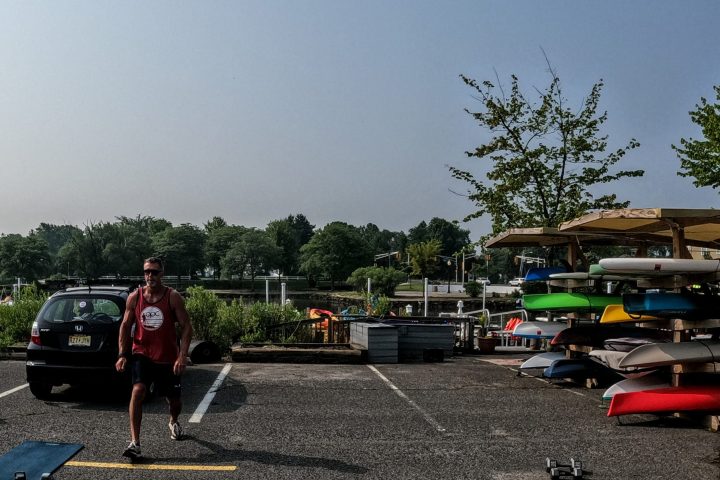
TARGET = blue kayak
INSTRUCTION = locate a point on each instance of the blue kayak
(672, 305)
(542, 273)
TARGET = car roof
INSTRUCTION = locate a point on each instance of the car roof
(96, 289)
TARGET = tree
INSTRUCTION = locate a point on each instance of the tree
(383, 242)
(701, 159)
(84, 253)
(334, 252)
(452, 238)
(56, 237)
(25, 257)
(181, 248)
(423, 257)
(219, 240)
(255, 253)
(545, 158)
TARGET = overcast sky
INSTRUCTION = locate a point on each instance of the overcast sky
(339, 110)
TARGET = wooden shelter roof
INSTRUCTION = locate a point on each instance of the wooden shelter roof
(698, 227)
(627, 227)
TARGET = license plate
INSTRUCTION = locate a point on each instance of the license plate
(79, 341)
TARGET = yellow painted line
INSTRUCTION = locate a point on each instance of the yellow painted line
(150, 466)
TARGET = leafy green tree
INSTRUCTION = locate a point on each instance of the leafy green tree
(383, 279)
(544, 158)
(25, 257)
(181, 248)
(219, 240)
(254, 253)
(424, 257)
(383, 242)
(334, 252)
(56, 237)
(214, 224)
(701, 158)
(290, 234)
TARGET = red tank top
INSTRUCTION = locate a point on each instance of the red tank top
(155, 335)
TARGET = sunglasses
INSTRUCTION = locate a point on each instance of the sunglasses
(151, 271)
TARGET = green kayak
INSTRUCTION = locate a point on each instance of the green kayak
(570, 302)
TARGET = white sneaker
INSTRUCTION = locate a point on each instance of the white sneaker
(175, 431)
(132, 451)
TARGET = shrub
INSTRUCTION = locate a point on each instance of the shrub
(260, 317)
(473, 289)
(16, 319)
(203, 307)
(384, 280)
(378, 305)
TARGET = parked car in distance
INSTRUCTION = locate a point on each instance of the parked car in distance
(516, 282)
(483, 280)
(74, 339)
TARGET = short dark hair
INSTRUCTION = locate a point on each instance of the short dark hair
(157, 260)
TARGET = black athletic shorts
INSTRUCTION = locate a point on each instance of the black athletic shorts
(145, 371)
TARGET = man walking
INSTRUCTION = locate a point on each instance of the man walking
(153, 355)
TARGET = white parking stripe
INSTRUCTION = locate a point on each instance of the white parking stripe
(202, 408)
(13, 390)
(400, 394)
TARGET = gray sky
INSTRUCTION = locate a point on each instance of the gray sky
(339, 110)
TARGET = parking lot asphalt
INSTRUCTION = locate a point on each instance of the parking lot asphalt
(465, 418)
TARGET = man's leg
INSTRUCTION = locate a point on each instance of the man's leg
(136, 404)
(175, 408)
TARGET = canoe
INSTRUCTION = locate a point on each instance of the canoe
(573, 368)
(704, 398)
(659, 266)
(651, 381)
(596, 335)
(612, 358)
(569, 302)
(659, 354)
(542, 273)
(542, 360)
(616, 314)
(587, 276)
(672, 305)
(538, 329)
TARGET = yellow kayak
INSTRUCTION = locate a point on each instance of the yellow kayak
(616, 314)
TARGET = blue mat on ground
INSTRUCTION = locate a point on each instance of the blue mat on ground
(36, 458)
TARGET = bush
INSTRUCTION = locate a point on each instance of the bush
(16, 319)
(261, 317)
(203, 307)
(473, 289)
(384, 280)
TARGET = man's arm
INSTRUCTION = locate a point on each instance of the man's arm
(124, 340)
(178, 305)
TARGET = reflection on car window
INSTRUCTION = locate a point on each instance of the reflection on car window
(67, 309)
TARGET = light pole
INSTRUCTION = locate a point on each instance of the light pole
(449, 264)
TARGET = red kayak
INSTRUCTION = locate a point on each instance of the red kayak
(673, 399)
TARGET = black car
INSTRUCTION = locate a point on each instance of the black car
(74, 339)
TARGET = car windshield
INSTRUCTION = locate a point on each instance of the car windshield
(67, 309)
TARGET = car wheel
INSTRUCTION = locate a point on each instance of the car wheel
(41, 390)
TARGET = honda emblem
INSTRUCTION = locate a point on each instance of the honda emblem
(78, 328)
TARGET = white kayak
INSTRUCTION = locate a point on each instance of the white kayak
(659, 266)
(542, 360)
(650, 381)
(658, 354)
(538, 329)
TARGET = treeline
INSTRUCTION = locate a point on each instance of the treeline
(290, 246)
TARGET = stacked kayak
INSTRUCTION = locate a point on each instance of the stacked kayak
(705, 398)
(569, 302)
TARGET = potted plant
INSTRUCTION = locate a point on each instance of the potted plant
(486, 343)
